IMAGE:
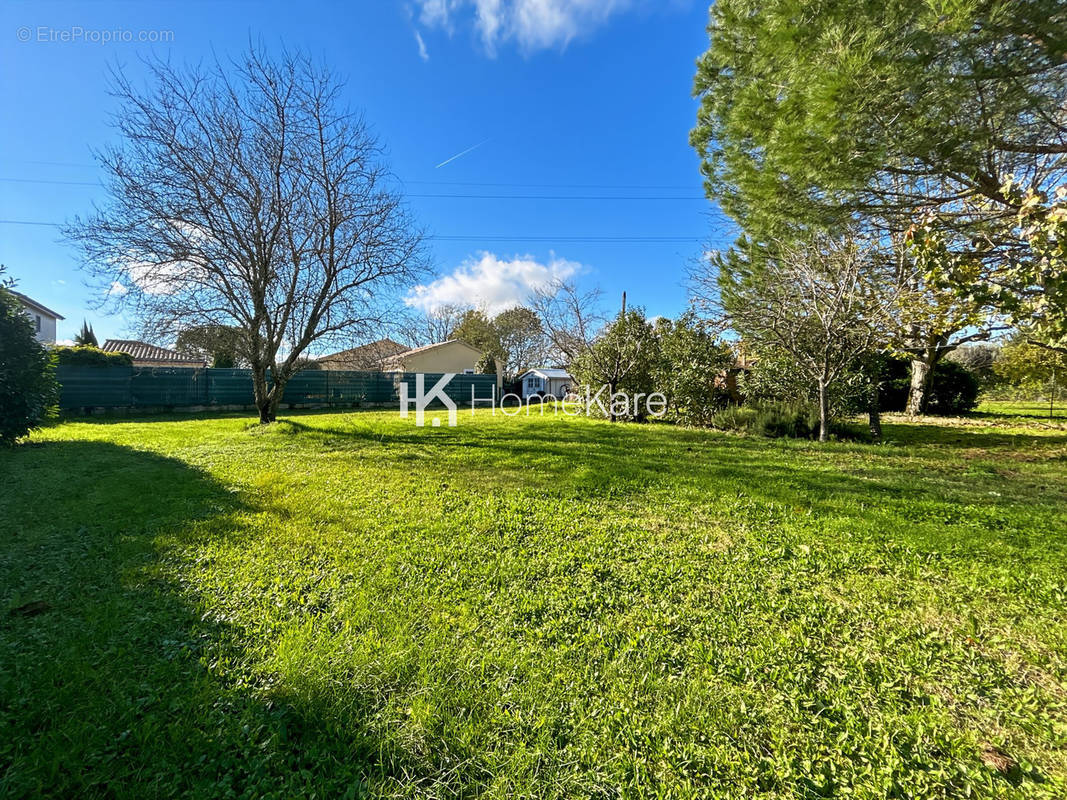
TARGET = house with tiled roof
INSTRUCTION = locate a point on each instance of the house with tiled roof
(367, 357)
(451, 356)
(385, 355)
(150, 355)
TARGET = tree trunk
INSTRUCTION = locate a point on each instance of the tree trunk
(267, 396)
(874, 399)
(922, 373)
(824, 411)
(268, 408)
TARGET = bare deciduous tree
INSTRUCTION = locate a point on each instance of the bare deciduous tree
(429, 327)
(571, 319)
(246, 195)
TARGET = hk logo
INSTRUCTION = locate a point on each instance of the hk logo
(424, 398)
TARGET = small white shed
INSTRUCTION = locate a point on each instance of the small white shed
(546, 381)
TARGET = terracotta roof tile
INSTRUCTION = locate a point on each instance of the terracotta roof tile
(142, 351)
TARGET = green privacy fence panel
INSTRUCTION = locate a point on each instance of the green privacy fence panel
(168, 386)
(459, 388)
(230, 387)
(94, 386)
(175, 387)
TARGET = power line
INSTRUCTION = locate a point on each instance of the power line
(46, 180)
(447, 195)
(568, 239)
(494, 184)
(551, 185)
(560, 197)
(491, 237)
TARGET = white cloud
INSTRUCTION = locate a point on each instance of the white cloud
(117, 290)
(533, 24)
(423, 52)
(491, 282)
(437, 13)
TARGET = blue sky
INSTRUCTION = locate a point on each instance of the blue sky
(584, 104)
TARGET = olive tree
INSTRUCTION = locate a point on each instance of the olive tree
(623, 359)
(827, 302)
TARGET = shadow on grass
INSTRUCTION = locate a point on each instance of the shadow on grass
(958, 437)
(112, 681)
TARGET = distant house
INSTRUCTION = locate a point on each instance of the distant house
(369, 357)
(546, 381)
(385, 355)
(451, 356)
(150, 355)
(44, 319)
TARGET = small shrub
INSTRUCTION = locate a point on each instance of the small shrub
(89, 356)
(772, 419)
(28, 390)
(954, 391)
(734, 418)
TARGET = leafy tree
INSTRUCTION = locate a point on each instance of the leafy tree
(28, 389)
(222, 346)
(486, 365)
(522, 340)
(624, 358)
(1029, 283)
(245, 195)
(475, 328)
(892, 115)
(86, 336)
(978, 359)
(514, 338)
(953, 388)
(816, 112)
(692, 369)
(1029, 368)
(935, 319)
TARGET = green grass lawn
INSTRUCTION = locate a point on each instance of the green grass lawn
(1037, 409)
(343, 605)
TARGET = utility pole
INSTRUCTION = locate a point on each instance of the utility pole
(623, 312)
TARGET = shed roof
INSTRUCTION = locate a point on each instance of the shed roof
(549, 372)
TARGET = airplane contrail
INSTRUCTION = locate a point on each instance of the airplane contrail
(458, 155)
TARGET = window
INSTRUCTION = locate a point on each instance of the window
(37, 317)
